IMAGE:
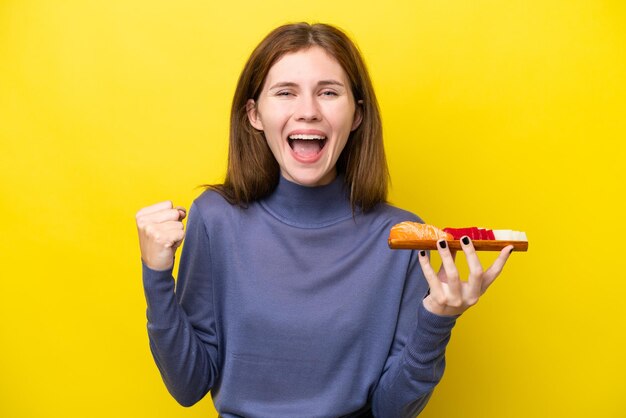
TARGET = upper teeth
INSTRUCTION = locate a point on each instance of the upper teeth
(306, 137)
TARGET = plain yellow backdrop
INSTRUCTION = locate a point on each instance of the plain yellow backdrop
(504, 114)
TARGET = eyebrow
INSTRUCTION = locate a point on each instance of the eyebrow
(281, 84)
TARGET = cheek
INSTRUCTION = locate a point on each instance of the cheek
(342, 111)
(343, 120)
(274, 142)
(274, 120)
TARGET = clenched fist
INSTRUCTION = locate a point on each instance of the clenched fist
(161, 232)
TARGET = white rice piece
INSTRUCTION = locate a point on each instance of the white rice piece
(503, 234)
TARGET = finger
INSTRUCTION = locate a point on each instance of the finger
(429, 273)
(155, 208)
(441, 274)
(164, 215)
(475, 267)
(452, 274)
(171, 226)
(175, 238)
(182, 212)
(165, 234)
(496, 268)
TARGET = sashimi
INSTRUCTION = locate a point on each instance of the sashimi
(416, 231)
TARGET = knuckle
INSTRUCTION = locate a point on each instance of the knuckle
(441, 300)
(455, 302)
(149, 229)
(473, 300)
(141, 220)
(141, 212)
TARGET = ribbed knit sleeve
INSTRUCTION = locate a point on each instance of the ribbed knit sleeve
(417, 361)
(184, 347)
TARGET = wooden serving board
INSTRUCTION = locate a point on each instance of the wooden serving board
(479, 245)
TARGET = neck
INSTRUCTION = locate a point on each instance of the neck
(309, 207)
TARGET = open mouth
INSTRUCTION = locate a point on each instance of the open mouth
(306, 145)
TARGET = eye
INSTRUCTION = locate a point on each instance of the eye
(283, 93)
(329, 93)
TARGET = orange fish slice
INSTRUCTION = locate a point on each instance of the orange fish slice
(416, 231)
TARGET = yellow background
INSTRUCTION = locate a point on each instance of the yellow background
(505, 114)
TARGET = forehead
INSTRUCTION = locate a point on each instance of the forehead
(311, 64)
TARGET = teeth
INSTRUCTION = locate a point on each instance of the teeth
(307, 137)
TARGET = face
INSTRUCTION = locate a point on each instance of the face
(306, 111)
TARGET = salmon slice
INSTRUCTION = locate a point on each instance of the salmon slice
(416, 231)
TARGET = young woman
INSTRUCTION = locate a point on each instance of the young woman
(289, 302)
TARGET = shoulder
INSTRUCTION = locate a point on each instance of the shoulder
(388, 213)
(380, 220)
(210, 200)
(210, 206)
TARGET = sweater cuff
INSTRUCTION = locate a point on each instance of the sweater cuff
(429, 341)
(160, 297)
(435, 324)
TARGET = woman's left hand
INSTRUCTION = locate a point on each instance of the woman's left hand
(449, 295)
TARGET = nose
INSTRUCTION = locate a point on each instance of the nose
(307, 109)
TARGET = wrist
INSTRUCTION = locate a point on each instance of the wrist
(437, 309)
(158, 265)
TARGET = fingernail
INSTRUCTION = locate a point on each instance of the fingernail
(442, 244)
(465, 240)
(423, 253)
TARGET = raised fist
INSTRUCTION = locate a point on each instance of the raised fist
(161, 232)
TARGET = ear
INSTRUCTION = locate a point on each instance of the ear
(358, 115)
(253, 115)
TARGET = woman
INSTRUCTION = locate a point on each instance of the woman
(289, 302)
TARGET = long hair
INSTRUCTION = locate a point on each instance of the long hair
(253, 172)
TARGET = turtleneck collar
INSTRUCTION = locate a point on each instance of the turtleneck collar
(309, 207)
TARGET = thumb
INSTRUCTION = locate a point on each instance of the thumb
(182, 213)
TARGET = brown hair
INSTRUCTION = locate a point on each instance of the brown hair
(253, 172)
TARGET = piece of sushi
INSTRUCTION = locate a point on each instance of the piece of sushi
(417, 231)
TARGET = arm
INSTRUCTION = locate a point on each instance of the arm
(417, 359)
(415, 370)
(181, 326)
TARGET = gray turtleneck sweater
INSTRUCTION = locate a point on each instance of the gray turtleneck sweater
(295, 307)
